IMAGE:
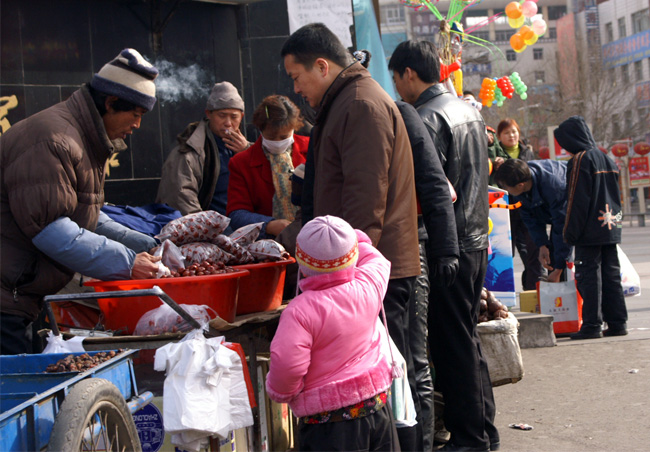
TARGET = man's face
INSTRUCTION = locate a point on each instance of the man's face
(119, 124)
(403, 87)
(310, 84)
(224, 122)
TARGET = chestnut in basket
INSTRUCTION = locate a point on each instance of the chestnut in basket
(208, 267)
(82, 362)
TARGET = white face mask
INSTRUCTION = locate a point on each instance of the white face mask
(277, 147)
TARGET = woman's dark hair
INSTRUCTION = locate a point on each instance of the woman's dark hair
(99, 99)
(315, 41)
(421, 56)
(505, 123)
(512, 172)
(277, 112)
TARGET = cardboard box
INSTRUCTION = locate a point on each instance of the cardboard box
(528, 301)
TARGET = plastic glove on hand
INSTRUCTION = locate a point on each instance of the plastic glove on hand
(445, 268)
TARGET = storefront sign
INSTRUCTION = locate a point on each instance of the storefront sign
(627, 50)
(639, 172)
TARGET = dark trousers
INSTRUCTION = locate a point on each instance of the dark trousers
(396, 305)
(13, 335)
(461, 370)
(418, 341)
(598, 275)
(374, 432)
(528, 252)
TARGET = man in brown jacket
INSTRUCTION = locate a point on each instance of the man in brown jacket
(360, 166)
(53, 188)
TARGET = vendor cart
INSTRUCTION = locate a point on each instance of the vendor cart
(253, 331)
(89, 411)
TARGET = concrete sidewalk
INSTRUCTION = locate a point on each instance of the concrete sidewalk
(590, 395)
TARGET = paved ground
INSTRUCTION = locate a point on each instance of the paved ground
(590, 395)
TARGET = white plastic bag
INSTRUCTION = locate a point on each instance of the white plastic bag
(56, 344)
(202, 391)
(629, 277)
(164, 319)
(401, 400)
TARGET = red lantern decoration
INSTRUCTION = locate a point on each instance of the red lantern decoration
(544, 152)
(642, 148)
(620, 150)
(602, 149)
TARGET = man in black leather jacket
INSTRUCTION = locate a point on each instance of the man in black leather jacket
(458, 133)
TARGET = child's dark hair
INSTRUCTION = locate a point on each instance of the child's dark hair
(421, 56)
(314, 41)
(99, 99)
(277, 112)
(513, 172)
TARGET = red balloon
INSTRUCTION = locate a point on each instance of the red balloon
(642, 148)
(544, 152)
(620, 150)
(602, 149)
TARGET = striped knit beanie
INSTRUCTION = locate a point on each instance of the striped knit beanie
(130, 77)
(325, 245)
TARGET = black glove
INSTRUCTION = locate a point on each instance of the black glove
(445, 269)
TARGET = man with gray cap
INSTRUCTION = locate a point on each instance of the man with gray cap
(52, 190)
(195, 174)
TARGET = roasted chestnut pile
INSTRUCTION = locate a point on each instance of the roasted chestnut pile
(81, 363)
(208, 267)
(491, 308)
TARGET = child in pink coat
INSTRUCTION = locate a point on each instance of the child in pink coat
(326, 359)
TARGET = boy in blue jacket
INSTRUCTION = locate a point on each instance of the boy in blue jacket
(540, 187)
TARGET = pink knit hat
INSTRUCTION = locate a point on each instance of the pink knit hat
(325, 245)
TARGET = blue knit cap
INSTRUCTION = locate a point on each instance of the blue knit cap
(130, 77)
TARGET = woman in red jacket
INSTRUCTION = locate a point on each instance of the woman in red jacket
(259, 190)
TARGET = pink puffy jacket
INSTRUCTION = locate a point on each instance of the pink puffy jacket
(326, 353)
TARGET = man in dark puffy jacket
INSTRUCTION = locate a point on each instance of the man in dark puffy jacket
(593, 226)
(458, 133)
(53, 188)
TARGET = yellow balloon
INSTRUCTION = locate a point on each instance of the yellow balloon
(532, 40)
(516, 23)
(490, 225)
(521, 49)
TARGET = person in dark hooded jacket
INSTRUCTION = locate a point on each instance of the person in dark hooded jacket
(593, 226)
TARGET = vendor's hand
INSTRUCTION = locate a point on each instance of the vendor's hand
(445, 269)
(555, 275)
(490, 139)
(145, 266)
(545, 257)
(497, 163)
(235, 141)
(274, 227)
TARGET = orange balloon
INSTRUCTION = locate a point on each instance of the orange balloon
(532, 40)
(517, 42)
(513, 10)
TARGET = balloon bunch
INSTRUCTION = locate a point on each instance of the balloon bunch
(487, 91)
(517, 13)
(497, 91)
(519, 85)
(506, 86)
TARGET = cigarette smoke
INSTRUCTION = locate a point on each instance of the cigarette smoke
(175, 83)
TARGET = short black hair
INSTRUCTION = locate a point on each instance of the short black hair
(99, 99)
(513, 172)
(314, 41)
(421, 56)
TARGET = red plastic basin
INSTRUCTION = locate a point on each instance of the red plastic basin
(262, 290)
(217, 291)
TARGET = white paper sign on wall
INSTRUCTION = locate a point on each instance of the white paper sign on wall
(336, 14)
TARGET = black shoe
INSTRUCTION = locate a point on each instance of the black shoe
(615, 332)
(587, 334)
(453, 447)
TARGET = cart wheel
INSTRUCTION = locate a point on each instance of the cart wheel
(94, 416)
